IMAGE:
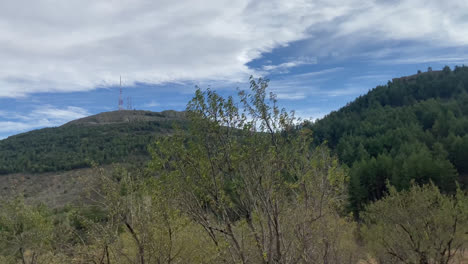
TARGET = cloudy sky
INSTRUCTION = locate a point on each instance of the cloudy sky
(61, 60)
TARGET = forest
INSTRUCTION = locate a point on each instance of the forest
(79, 146)
(244, 182)
(412, 129)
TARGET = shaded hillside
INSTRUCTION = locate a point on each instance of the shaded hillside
(104, 138)
(413, 128)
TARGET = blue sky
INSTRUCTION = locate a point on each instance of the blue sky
(62, 60)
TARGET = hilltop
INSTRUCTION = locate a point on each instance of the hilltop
(127, 116)
(104, 138)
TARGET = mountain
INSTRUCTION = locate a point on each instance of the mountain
(102, 139)
(414, 128)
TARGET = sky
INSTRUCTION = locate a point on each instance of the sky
(63, 60)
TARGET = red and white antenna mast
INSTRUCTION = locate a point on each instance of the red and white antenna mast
(120, 96)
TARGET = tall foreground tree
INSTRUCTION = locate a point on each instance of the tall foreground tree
(254, 182)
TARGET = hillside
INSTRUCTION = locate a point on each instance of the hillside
(103, 139)
(412, 129)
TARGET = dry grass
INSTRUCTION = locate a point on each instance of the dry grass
(54, 189)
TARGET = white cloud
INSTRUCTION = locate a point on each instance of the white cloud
(42, 116)
(379, 77)
(60, 115)
(436, 22)
(299, 86)
(317, 73)
(11, 126)
(427, 59)
(395, 29)
(311, 114)
(151, 104)
(290, 64)
(78, 45)
(351, 90)
(291, 96)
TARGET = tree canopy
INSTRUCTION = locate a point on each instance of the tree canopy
(413, 128)
(79, 146)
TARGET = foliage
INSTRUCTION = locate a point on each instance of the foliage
(254, 182)
(247, 184)
(240, 187)
(78, 146)
(25, 232)
(419, 225)
(413, 128)
(141, 225)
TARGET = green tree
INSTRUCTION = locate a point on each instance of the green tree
(26, 232)
(140, 224)
(417, 123)
(419, 225)
(254, 182)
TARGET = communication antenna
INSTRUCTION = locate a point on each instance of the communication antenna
(120, 96)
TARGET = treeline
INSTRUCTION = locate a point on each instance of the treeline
(78, 146)
(412, 129)
(245, 185)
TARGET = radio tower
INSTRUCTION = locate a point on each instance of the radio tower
(120, 96)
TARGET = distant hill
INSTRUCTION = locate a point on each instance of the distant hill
(127, 116)
(102, 139)
(414, 128)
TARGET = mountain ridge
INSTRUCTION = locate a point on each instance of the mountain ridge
(126, 116)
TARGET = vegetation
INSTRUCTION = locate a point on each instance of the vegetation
(243, 182)
(412, 129)
(256, 185)
(25, 233)
(77, 145)
(132, 219)
(419, 225)
(233, 190)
